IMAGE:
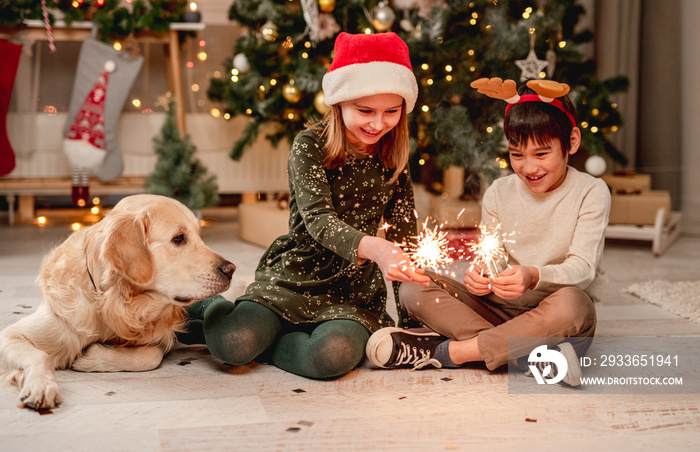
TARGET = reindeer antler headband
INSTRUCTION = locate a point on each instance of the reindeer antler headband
(547, 92)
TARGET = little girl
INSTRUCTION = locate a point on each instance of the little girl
(319, 290)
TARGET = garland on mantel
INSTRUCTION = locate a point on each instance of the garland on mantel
(116, 18)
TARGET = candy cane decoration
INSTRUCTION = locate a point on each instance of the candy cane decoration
(47, 24)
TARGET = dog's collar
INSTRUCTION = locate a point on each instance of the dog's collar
(87, 267)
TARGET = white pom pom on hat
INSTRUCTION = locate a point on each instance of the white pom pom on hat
(369, 64)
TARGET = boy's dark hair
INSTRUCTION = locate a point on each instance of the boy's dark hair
(539, 122)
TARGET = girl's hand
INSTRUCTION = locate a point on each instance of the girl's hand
(477, 283)
(393, 262)
(514, 281)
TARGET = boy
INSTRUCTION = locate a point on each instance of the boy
(558, 216)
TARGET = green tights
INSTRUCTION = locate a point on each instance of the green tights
(238, 333)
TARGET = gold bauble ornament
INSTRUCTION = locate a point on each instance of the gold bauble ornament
(291, 93)
(320, 103)
(327, 6)
(269, 31)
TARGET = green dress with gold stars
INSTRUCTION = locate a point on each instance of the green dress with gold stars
(312, 273)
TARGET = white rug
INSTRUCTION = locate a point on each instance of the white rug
(679, 297)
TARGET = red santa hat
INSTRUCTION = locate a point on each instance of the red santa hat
(368, 64)
(84, 142)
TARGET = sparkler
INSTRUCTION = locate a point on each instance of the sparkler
(431, 249)
(488, 253)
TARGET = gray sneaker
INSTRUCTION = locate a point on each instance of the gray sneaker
(393, 348)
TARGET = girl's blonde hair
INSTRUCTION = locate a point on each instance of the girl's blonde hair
(393, 151)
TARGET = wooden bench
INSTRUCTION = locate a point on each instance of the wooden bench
(662, 234)
(26, 188)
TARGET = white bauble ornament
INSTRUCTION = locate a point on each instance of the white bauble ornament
(383, 17)
(241, 63)
(596, 165)
(269, 31)
(405, 4)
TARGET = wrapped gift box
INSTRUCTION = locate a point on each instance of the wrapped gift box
(639, 209)
(627, 182)
(262, 222)
(460, 242)
(455, 213)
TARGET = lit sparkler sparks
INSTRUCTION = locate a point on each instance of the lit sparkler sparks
(431, 249)
(489, 253)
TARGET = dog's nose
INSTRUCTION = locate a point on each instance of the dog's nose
(227, 268)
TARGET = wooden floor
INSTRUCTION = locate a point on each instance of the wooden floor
(193, 402)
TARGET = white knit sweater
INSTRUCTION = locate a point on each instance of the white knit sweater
(561, 232)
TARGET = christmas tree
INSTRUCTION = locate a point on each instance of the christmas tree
(274, 76)
(178, 173)
(116, 18)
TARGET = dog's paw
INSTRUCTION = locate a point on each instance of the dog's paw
(40, 392)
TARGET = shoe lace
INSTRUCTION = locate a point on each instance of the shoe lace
(418, 357)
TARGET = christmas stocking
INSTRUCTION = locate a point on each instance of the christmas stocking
(102, 83)
(9, 56)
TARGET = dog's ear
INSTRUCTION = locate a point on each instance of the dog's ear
(125, 247)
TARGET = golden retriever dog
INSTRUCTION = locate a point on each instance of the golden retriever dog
(112, 297)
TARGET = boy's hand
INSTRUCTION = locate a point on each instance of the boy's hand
(476, 283)
(393, 262)
(514, 281)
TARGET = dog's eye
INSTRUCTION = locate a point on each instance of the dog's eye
(179, 239)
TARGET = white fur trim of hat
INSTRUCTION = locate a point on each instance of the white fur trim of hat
(368, 64)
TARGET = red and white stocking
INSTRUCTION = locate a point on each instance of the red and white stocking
(9, 61)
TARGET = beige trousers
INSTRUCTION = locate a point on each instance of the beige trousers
(448, 308)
